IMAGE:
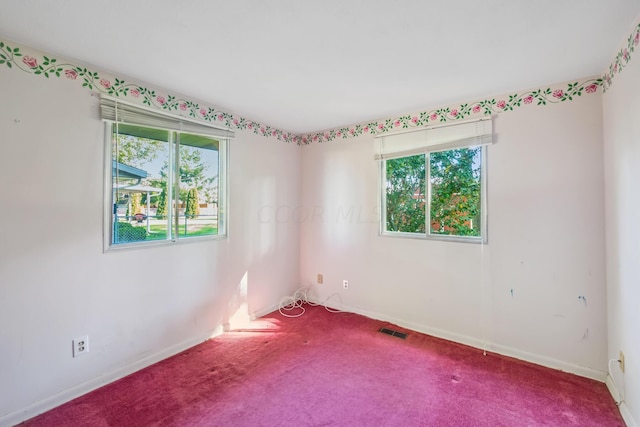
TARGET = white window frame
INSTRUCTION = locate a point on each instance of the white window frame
(424, 144)
(223, 199)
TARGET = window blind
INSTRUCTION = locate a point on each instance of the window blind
(440, 138)
(113, 110)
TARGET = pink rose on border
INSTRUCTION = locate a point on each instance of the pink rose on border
(30, 61)
(339, 133)
(454, 113)
(71, 74)
(615, 68)
(591, 88)
(203, 112)
(527, 99)
(476, 108)
(220, 117)
(326, 136)
(625, 55)
(273, 133)
(414, 120)
(250, 126)
(637, 39)
(134, 92)
(315, 138)
(501, 104)
(183, 106)
(235, 122)
(434, 117)
(161, 100)
(380, 126)
(365, 129)
(558, 93)
(105, 83)
(262, 130)
(397, 123)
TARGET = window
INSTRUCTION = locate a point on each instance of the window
(435, 186)
(163, 184)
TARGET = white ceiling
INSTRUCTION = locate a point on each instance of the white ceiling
(303, 65)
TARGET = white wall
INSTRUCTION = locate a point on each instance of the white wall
(137, 305)
(621, 111)
(296, 212)
(546, 243)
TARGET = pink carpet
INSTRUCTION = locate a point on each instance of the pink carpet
(326, 369)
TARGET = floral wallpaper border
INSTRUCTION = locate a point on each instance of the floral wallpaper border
(33, 63)
(622, 58)
(485, 107)
(461, 111)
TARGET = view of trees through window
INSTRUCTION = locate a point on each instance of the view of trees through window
(152, 201)
(406, 194)
(455, 189)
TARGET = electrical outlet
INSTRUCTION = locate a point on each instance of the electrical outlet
(345, 284)
(320, 279)
(621, 361)
(80, 346)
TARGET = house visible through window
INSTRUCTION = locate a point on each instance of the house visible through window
(164, 184)
(434, 186)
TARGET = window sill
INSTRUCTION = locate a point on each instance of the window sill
(159, 243)
(434, 237)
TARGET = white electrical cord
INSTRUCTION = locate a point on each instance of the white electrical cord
(613, 380)
(297, 301)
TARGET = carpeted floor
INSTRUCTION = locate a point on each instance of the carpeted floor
(325, 369)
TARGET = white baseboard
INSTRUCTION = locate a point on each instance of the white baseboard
(76, 391)
(549, 362)
(64, 396)
(264, 311)
(488, 346)
(624, 409)
(626, 415)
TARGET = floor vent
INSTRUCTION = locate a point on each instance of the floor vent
(393, 333)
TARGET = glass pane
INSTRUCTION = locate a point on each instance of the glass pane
(456, 192)
(198, 197)
(139, 183)
(405, 194)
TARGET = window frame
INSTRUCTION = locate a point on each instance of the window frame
(427, 235)
(108, 202)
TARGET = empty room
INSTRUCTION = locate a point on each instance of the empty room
(352, 212)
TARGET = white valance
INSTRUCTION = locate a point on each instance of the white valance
(116, 111)
(437, 138)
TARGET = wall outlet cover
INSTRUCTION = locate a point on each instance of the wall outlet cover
(80, 346)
